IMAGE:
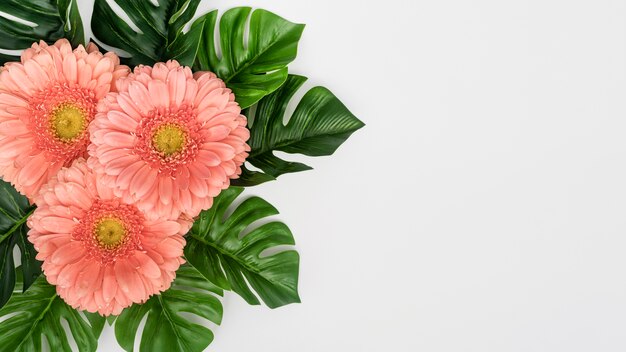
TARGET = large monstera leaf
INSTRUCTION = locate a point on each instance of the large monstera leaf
(160, 35)
(252, 68)
(52, 19)
(318, 126)
(166, 329)
(215, 247)
(14, 210)
(39, 312)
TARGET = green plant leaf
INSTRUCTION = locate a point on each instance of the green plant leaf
(215, 247)
(161, 34)
(251, 178)
(51, 20)
(97, 323)
(318, 126)
(72, 23)
(255, 68)
(38, 312)
(14, 210)
(166, 329)
(111, 319)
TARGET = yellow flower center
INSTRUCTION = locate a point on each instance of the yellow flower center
(110, 233)
(68, 122)
(169, 139)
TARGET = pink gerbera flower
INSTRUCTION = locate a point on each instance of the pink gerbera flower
(46, 103)
(169, 140)
(101, 252)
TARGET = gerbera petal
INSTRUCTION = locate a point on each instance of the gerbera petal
(170, 247)
(140, 96)
(35, 73)
(51, 93)
(109, 284)
(33, 171)
(148, 267)
(122, 120)
(120, 139)
(165, 189)
(87, 277)
(57, 224)
(126, 276)
(68, 254)
(158, 91)
(143, 181)
(177, 83)
(187, 130)
(124, 178)
(107, 256)
(128, 106)
(164, 227)
(198, 187)
(70, 69)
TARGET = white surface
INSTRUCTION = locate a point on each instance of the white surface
(482, 208)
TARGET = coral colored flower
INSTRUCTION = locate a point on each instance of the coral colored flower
(46, 103)
(101, 252)
(169, 140)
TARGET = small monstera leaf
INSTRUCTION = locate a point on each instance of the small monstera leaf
(160, 35)
(318, 126)
(14, 211)
(252, 68)
(166, 329)
(215, 247)
(38, 312)
(51, 19)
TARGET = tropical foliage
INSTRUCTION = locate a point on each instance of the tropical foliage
(250, 50)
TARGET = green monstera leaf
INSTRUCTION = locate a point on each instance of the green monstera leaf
(215, 247)
(14, 211)
(160, 35)
(166, 329)
(39, 312)
(318, 126)
(51, 20)
(252, 68)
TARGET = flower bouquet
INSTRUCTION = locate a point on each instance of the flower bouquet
(120, 169)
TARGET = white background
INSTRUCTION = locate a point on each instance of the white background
(481, 208)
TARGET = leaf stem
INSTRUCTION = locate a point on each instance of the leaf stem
(17, 225)
(38, 319)
(230, 255)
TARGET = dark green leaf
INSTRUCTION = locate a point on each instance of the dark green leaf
(215, 248)
(166, 329)
(52, 20)
(14, 210)
(318, 126)
(251, 178)
(97, 323)
(72, 23)
(161, 37)
(255, 68)
(38, 312)
(111, 319)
